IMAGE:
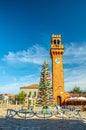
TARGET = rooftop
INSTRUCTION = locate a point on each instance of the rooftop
(33, 86)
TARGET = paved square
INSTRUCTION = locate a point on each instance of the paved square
(39, 124)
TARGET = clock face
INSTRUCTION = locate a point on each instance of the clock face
(57, 61)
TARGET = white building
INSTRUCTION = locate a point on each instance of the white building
(31, 92)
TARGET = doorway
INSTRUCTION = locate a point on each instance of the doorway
(58, 100)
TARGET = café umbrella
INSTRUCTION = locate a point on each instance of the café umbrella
(76, 100)
(82, 98)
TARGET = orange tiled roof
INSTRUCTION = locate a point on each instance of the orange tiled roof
(33, 86)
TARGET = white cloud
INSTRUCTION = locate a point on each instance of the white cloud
(11, 88)
(28, 79)
(14, 85)
(74, 74)
(35, 54)
(75, 66)
(75, 53)
(75, 77)
(76, 49)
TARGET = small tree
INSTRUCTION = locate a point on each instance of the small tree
(76, 89)
(21, 97)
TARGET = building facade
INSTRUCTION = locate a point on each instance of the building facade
(31, 93)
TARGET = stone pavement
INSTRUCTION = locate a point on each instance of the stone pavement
(40, 124)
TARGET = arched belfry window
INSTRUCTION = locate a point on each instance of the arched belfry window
(58, 41)
(54, 41)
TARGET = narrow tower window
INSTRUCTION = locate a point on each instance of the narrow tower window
(54, 41)
(58, 42)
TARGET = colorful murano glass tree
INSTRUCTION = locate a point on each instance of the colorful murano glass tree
(45, 91)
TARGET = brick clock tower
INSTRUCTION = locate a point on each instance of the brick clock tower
(56, 53)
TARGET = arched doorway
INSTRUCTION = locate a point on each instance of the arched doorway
(58, 100)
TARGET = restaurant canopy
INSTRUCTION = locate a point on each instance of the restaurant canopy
(75, 101)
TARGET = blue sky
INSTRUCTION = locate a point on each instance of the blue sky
(26, 27)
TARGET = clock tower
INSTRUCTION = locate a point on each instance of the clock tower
(56, 53)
